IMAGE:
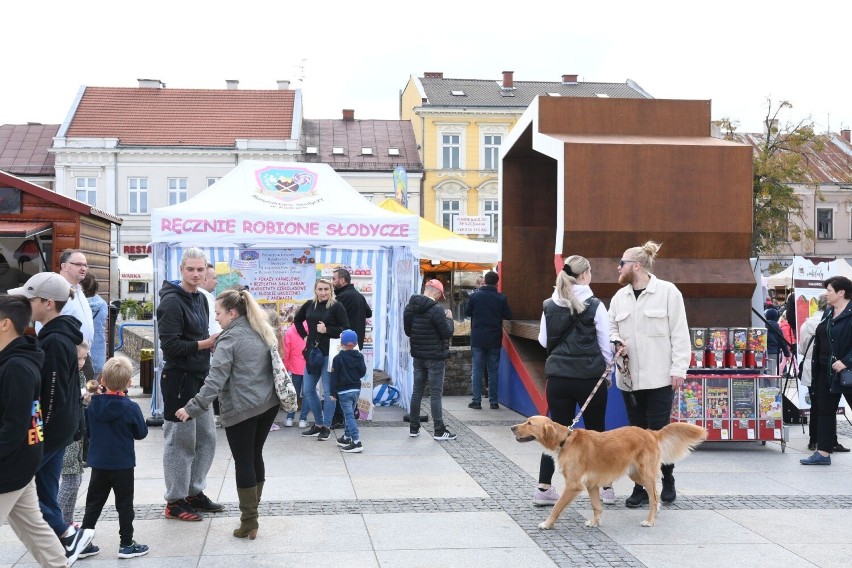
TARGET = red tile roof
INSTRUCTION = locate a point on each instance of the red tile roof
(23, 149)
(183, 117)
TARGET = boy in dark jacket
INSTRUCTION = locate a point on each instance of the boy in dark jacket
(21, 435)
(182, 324)
(115, 422)
(487, 309)
(347, 370)
(429, 328)
(59, 336)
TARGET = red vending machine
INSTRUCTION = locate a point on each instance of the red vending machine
(756, 354)
(737, 343)
(769, 419)
(718, 347)
(743, 408)
(717, 409)
(698, 336)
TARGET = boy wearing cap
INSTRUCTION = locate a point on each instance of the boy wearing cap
(429, 328)
(347, 369)
(21, 439)
(60, 398)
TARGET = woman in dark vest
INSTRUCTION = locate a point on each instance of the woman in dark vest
(575, 331)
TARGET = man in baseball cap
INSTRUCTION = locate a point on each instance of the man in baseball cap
(436, 284)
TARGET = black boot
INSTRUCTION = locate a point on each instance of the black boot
(638, 498)
(668, 494)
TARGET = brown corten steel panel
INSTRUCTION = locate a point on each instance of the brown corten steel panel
(529, 229)
(630, 117)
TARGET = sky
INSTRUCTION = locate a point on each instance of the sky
(737, 54)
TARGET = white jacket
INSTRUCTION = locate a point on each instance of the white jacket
(654, 329)
(806, 332)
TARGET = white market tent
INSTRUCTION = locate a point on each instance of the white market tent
(140, 270)
(281, 205)
(785, 277)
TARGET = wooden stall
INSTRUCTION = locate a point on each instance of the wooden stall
(55, 223)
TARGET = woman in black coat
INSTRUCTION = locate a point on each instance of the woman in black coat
(832, 352)
(326, 319)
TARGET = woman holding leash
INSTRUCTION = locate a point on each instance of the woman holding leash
(575, 331)
(241, 377)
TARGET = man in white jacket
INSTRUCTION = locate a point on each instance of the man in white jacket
(648, 318)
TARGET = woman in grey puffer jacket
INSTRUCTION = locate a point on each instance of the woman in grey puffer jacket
(241, 377)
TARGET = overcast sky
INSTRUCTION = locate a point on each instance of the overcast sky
(360, 54)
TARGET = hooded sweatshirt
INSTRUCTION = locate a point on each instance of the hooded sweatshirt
(347, 369)
(21, 436)
(182, 321)
(60, 381)
(115, 422)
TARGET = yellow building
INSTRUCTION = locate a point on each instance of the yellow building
(459, 125)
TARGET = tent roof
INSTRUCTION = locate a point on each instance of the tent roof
(785, 277)
(440, 244)
(282, 204)
(140, 269)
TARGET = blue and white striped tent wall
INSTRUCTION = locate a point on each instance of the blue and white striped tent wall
(397, 277)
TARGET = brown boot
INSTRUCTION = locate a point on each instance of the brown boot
(259, 490)
(248, 513)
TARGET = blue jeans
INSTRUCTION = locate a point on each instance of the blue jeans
(348, 403)
(297, 384)
(322, 414)
(431, 371)
(47, 487)
(485, 357)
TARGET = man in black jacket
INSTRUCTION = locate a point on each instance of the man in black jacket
(182, 323)
(357, 310)
(61, 410)
(21, 435)
(429, 328)
(487, 309)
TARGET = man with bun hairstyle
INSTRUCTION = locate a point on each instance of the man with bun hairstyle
(648, 318)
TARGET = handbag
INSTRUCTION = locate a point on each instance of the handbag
(283, 383)
(314, 360)
(844, 379)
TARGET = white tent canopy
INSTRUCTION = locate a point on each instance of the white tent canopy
(296, 204)
(139, 270)
(785, 277)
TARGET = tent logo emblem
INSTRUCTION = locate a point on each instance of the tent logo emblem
(286, 184)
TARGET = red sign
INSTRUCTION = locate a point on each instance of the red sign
(137, 249)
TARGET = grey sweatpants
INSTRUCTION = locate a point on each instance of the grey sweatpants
(188, 455)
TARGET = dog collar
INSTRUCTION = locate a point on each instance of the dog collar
(568, 435)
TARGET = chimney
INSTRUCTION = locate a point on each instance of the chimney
(348, 114)
(433, 75)
(232, 84)
(283, 84)
(569, 78)
(508, 81)
(845, 134)
(151, 84)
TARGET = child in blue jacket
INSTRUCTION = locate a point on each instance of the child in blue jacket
(347, 370)
(115, 422)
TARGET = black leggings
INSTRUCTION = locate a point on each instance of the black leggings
(564, 396)
(246, 440)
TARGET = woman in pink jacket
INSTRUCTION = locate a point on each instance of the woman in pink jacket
(294, 362)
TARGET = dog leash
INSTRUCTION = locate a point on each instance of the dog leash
(606, 374)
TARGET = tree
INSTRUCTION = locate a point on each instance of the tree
(779, 160)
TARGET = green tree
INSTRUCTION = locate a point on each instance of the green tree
(780, 159)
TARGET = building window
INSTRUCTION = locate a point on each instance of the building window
(211, 181)
(450, 209)
(87, 190)
(825, 224)
(491, 209)
(137, 195)
(177, 190)
(450, 151)
(491, 150)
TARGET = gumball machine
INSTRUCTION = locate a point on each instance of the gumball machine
(718, 346)
(698, 337)
(756, 354)
(737, 344)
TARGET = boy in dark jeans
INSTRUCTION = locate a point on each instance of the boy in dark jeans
(115, 422)
(347, 369)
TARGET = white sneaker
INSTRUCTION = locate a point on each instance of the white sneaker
(608, 495)
(303, 423)
(544, 498)
(289, 423)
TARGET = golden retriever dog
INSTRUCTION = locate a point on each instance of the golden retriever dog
(596, 459)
